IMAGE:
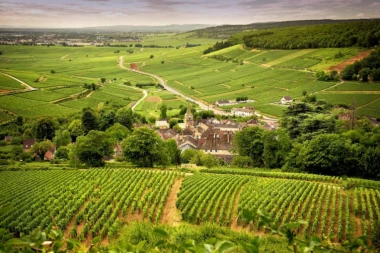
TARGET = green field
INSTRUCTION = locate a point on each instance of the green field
(156, 98)
(99, 202)
(262, 75)
(8, 84)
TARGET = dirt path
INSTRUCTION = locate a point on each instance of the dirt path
(18, 80)
(73, 219)
(329, 88)
(358, 57)
(368, 103)
(235, 213)
(89, 94)
(170, 89)
(63, 57)
(170, 214)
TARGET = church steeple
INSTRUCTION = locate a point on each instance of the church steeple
(189, 120)
(188, 109)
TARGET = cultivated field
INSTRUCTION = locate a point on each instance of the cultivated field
(262, 75)
(88, 203)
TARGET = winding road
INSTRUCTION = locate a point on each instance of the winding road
(141, 99)
(18, 80)
(202, 105)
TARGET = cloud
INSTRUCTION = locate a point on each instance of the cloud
(79, 13)
(360, 15)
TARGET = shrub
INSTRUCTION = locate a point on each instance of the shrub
(17, 140)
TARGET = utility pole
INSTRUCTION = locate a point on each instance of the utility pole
(353, 108)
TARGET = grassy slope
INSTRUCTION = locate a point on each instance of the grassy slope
(265, 76)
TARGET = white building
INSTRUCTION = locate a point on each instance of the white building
(242, 112)
(162, 124)
(286, 100)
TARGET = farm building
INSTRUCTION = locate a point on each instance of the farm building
(28, 144)
(187, 142)
(49, 155)
(223, 102)
(286, 100)
(242, 112)
(8, 139)
(166, 134)
(217, 142)
(118, 151)
(162, 124)
(344, 116)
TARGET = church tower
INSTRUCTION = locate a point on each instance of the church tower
(189, 119)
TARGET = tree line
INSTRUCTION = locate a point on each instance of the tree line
(311, 139)
(368, 67)
(364, 33)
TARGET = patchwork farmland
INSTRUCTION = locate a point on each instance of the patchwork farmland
(107, 198)
(59, 73)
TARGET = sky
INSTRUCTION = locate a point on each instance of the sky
(89, 13)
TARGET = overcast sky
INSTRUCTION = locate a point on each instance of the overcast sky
(86, 13)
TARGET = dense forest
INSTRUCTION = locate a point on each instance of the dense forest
(351, 34)
(365, 69)
(355, 34)
(225, 31)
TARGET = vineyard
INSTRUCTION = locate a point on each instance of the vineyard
(82, 203)
(89, 203)
(343, 209)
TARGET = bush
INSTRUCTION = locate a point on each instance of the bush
(17, 140)
(3, 143)
(52, 71)
(3, 162)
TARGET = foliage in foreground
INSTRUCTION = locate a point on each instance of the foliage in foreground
(54, 241)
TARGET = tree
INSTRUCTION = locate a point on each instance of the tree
(348, 72)
(62, 153)
(375, 74)
(364, 73)
(17, 140)
(209, 161)
(172, 123)
(103, 79)
(125, 117)
(152, 120)
(173, 152)
(118, 132)
(242, 161)
(277, 145)
(62, 138)
(28, 134)
(76, 129)
(357, 66)
(249, 142)
(143, 147)
(328, 154)
(45, 127)
(151, 56)
(16, 151)
(92, 148)
(371, 163)
(187, 155)
(163, 110)
(89, 120)
(40, 148)
(107, 119)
